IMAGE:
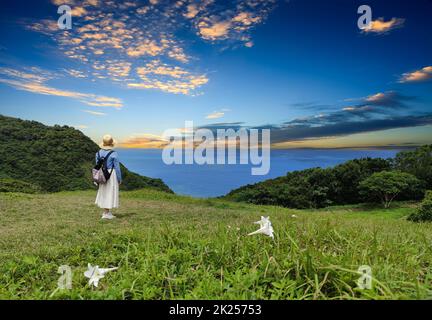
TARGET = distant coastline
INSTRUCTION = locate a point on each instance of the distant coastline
(217, 180)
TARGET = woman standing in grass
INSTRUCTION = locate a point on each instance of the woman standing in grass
(108, 194)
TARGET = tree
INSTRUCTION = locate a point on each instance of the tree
(424, 212)
(348, 175)
(387, 185)
(417, 162)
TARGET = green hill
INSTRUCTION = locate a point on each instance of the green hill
(35, 157)
(339, 185)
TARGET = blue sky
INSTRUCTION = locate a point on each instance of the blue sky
(301, 68)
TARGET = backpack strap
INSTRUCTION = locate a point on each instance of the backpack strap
(108, 154)
(106, 160)
(106, 157)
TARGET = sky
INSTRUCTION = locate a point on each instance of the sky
(302, 68)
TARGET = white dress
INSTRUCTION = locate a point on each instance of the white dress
(108, 193)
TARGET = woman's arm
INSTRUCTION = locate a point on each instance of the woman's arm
(117, 168)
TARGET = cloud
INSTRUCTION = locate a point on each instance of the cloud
(343, 128)
(376, 112)
(61, 2)
(118, 70)
(380, 26)
(147, 47)
(75, 73)
(246, 18)
(377, 105)
(311, 105)
(92, 2)
(231, 23)
(423, 74)
(116, 38)
(192, 11)
(215, 115)
(145, 141)
(160, 76)
(379, 111)
(95, 113)
(214, 30)
(158, 68)
(78, 11)
(35, 83)
(390, 99)
(44, 26)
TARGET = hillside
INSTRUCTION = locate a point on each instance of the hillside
(172, 247)
(339, 185)
(35, 157)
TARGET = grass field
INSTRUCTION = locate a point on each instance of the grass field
(172, 247)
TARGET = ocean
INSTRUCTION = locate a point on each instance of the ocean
(215, 180)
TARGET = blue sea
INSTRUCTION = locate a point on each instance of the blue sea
(216, 180)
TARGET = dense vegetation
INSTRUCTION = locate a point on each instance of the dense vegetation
(34, 156)
(417, 162)
(317, 187)
(424, 212)
(172, 247)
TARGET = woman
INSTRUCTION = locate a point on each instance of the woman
(108, 193)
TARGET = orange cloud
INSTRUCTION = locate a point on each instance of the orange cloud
(192, 11)
(380, 26)
(246, 18)
(213, 31)
(156, 75)
(78, 11)
(145, 141)
(102, 37)
(376, 97)
(423, 74)
(147, 47)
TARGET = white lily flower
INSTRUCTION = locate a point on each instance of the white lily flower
(94, 273)
(263, 221)
(265, 227)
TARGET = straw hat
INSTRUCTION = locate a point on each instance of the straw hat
(107, 142)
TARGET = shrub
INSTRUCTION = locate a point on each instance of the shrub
(424, 212)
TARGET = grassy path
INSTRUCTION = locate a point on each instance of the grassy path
(168, 246)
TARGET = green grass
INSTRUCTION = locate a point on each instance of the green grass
(172, 247)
